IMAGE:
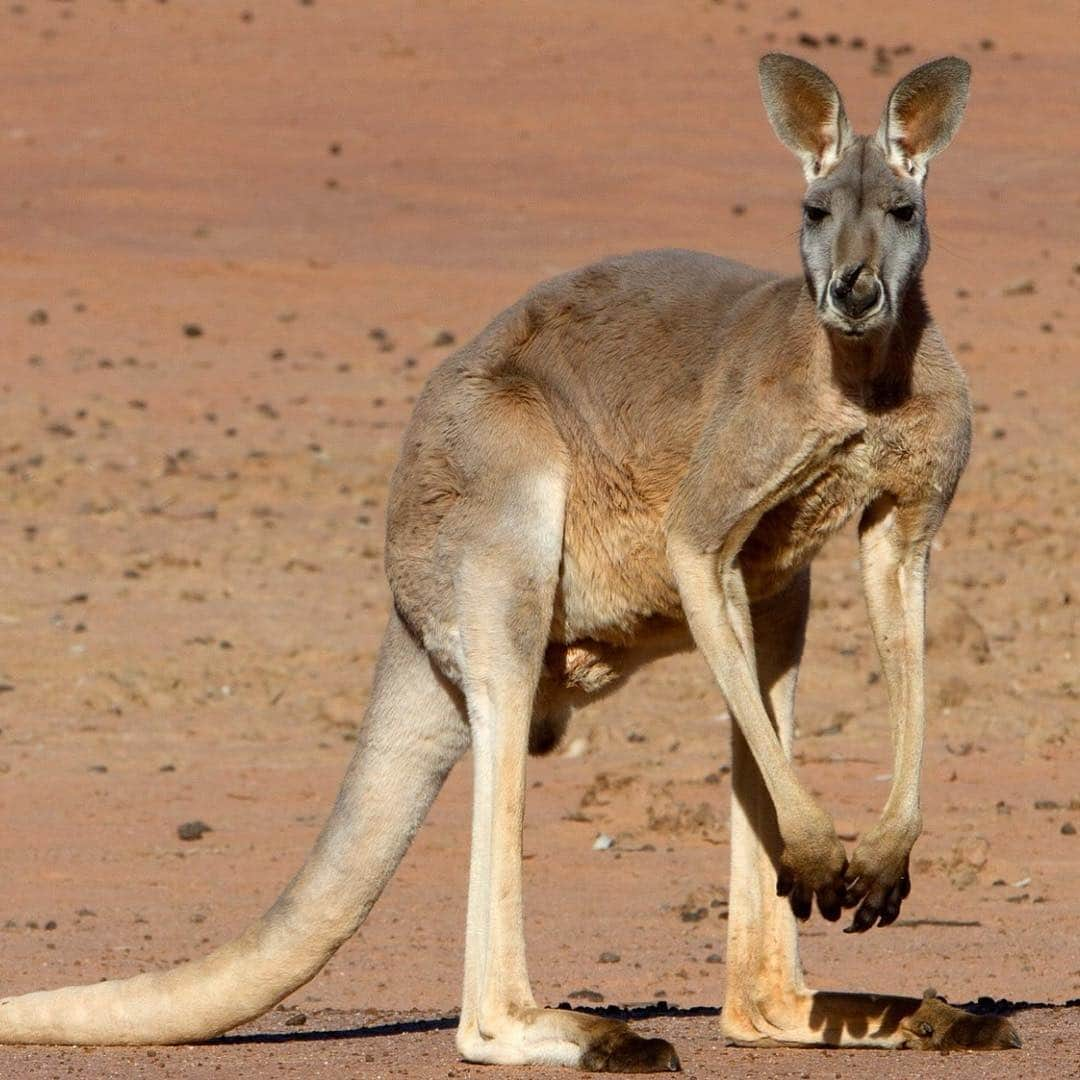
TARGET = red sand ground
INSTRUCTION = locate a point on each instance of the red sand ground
(191, 526)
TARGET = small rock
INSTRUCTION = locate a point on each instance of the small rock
(38, 317)
(578, 747)
(50, 925)
(443, 338)
(1022, 287)
(609, 958)
(585, 995)
(193, 830)
(1047, 804)
(296, 1020)
(808, 40)
(714, 958)
(1068, 829)
(192, 330)
(603, 842)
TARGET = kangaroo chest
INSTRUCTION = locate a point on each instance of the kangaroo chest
(615, 577)
(790, 534)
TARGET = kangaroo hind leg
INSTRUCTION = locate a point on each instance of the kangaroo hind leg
(504, 591)
(767, 1000)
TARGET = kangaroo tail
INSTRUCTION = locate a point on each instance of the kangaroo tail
(412, 735)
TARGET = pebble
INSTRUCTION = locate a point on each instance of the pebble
(1068, 829)
(193, 830)
(1022, 287)
(609, 958)
(603, 842)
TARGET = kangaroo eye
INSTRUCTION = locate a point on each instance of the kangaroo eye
(814, 214)
(903, 213)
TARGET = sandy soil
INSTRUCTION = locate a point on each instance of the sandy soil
(233, 236)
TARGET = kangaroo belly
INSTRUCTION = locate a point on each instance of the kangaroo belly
(614, 576)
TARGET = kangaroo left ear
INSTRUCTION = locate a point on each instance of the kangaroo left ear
(922, 114)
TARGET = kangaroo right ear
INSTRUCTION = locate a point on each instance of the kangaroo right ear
(805, 111)
(922, 114)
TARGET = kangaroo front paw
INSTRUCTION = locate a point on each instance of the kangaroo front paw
(810, 868)
(877, 880)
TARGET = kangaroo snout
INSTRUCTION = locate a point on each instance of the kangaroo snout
(855, 292)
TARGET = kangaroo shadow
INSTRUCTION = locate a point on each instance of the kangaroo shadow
(984, 1006)
(627, 1013)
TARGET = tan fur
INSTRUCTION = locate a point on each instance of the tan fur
(638, 457)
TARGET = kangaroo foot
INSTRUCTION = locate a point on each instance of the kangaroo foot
(534, 1036)
(936, 1025)
(824, 1018)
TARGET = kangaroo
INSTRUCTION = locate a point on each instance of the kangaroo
(641, 456)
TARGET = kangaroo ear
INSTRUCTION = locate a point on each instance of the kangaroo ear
(805, 111)
(922, 114)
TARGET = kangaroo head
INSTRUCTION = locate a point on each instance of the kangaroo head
(864, 238)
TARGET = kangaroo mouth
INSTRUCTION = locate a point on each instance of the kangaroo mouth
(853, 326)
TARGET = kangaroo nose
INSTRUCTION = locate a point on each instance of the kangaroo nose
(853, 292)
(846, 278)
